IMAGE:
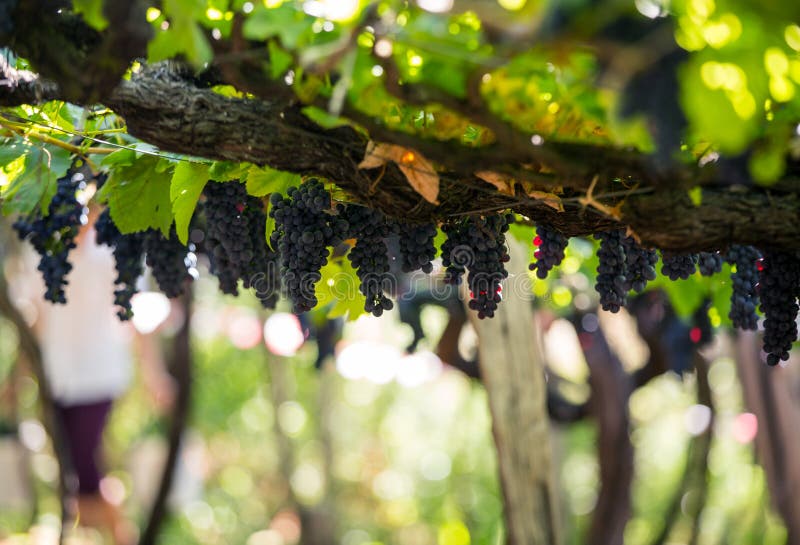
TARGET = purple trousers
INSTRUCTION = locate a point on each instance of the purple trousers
(83, 431)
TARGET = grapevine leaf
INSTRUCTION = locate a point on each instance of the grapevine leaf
(139, 197)
(184, 191)
(224, 171)
(183, 35)
(503, 183)
(120, 158)
(263, 180)
(10, 152)
(284, 21)
(323, 118)
(92, 11)
(338, 289)
(33, 183)
(279, 60)
(696, 195)
(550, 199)
(418, 171)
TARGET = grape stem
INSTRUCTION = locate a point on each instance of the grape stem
(589, 200)
(47, 139)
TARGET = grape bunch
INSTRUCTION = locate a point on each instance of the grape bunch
(303, 232)
(779, 279)
(169, 260)
(611, 270)
(128, 260)
(228, 241)
(416, 246)
(640, 265)
(53, 235)
(709, 263)
(678, 266)
(487, 270)
(744, 299)
(457, 253)
(261, 273)
(370, 255)
(550, 245)
(478, 245)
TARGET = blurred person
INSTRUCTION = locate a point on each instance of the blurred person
(88, 359)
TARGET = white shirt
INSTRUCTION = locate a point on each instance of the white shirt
(86, 349)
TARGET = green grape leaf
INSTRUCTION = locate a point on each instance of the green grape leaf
(187, 184)
(338, 289)
(11, 152)
(139, 196)
(696, 195)
(184, 35)
(285, 21)
(31, 179)
(263, 180)
(120, 158)
(279, 60)
(224, 171)
(92, 11)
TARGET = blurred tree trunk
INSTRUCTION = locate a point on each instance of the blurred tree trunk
(512, 369)
(30, 349)
(768, 394)
(181, 366)
(611, 390)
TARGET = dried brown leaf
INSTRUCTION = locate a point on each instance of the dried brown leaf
(503, 183)
(551, 200)
(418, 171)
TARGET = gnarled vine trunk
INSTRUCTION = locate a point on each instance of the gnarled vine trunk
(512, 369)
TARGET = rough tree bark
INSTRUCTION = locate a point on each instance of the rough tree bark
(163, 105)
(512, 370)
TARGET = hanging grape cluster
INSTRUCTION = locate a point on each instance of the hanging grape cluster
(611, 271)
(416, 246)
(744, 299)
(303, 232)
(236, 242)
(640, 265)
(709, 263)
(478, 244)
(779, 279)
(678, 266)
(370, 255)
(170, 261)
(550, 245)
(128, 261)
(53, 235)
(261, 273)
(227, 241)
(307, 225)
